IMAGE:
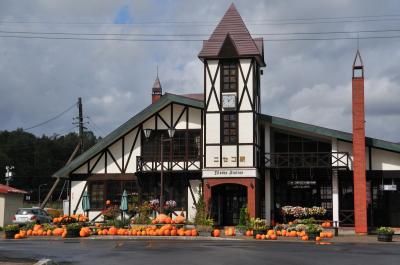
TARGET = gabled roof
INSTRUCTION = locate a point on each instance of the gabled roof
(331, 133)
(125, 128)
(232, 26)
(8, 189)
(199, 103)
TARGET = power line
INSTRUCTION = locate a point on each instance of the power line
(195, 35)
(188, 40)
(51, 119)
(315, 20)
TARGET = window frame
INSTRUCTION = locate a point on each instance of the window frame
(236, 76)
(229, 128)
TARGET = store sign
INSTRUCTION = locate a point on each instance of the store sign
(389, 187)
(229, 173)
(301, 184)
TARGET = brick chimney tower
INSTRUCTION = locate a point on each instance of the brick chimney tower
(156, 92)
(359, 161)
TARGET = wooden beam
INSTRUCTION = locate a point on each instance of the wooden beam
(58, 179)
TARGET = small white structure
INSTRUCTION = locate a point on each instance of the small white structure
(10, 200)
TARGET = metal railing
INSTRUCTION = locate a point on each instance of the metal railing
(307, 160)
(152, 165)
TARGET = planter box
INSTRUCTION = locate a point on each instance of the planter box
(312, 236)
(259, 232)
(73, 232)
(385, 237)
(10, 234)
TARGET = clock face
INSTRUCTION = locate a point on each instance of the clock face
(229, 101)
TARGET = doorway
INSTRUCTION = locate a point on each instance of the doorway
(227, 200)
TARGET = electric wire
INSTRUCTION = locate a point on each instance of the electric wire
(191, 40)
(51, 119)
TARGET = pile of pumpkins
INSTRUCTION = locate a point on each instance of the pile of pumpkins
(273, 235)
(65, 219)
(152, 230)
(38, 230)
(165, 219)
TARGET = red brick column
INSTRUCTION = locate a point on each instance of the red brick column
(250, 183)
(359, 163)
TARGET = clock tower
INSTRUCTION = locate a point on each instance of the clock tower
(232, 67)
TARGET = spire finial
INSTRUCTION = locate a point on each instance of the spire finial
(157, 70)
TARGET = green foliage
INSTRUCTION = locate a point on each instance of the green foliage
(11, 228)
(29, 226)
(385, 230)
(306, 221)
(143, 216)
(244, 217)
(118, 223)
(35, 158)
(313, 229)
(202, 218)
(257, 224)
(74, 226)
(1, 228)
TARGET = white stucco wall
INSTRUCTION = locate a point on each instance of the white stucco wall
(9, 204)
(195, 186)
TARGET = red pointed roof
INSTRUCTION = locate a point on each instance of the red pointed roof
(232, 26)
(8, 189)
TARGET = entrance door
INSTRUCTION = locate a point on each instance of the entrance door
(227, 200)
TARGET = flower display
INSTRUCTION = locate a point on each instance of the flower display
(170, 204)
(301, 212)
(154, 204)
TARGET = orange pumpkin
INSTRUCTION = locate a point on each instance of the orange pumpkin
(173, 232)
(318, 239)
(29, 233)
(304, 238)
(17, 236)
(273, 237)
(112, 231)
(216, 233)
(64, 234)
(161, 218)
(194, 232)
(329, 234)
(278, 233)
(248, 233)
(167, 232)
(49, 232)
(258, 236)
(322, 234)
(179, 219)
(263, 237)
(82, 233)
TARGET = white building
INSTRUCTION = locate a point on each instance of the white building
(237, 155)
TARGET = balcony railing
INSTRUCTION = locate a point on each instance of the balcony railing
(152, 165)
(307, 160)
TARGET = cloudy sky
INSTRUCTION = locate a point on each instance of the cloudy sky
(305, 80)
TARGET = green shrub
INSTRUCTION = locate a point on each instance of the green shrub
(11, 228)
(313, 229)
(385, 230)
(74, 226)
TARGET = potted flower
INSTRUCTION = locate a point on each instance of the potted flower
(313, 231)
(73, 229)
(10, 231)
(244, 220)
(259, 226)
(205, 227)
(385, 234)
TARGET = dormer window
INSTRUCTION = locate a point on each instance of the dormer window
(229, 76)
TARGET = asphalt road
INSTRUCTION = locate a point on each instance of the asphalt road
(198, 252)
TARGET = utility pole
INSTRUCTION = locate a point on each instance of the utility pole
(80, 123)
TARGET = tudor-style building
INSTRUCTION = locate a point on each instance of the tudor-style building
(223, 144)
